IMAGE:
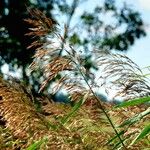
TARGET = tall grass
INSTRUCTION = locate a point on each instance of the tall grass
(89, 123)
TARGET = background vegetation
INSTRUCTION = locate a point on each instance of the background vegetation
(63, 59)
(123, 26)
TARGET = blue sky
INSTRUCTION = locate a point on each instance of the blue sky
(140, 51)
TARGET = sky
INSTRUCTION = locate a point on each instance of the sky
(140, 51)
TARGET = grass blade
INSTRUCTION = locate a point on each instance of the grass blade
(37, 144)
(143, 133)
(134, 102)
(136, 118)
(73, 111)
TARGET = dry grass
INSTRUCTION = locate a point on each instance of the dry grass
(122, 75)
(88, 127)
(24, 122)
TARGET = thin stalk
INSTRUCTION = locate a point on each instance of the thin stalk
(103, 109)
(99, 104)
(74, 6)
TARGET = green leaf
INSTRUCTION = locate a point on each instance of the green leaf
(37, 144)
(134, 102)
(143, 133)
(136, 118)
(73, 111)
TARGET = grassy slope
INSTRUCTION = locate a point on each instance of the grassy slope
(87, 129)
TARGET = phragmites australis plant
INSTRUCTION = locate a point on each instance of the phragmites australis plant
(89, 123)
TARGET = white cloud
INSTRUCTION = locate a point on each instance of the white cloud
(145, 4)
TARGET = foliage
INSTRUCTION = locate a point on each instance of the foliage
(146, 130)
(87, 129)
(93, 31)
(88, 123)
(123, 75)
(134, 102)
(37, 144)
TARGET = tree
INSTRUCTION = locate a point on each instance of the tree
(57, 126)
(120, 34)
